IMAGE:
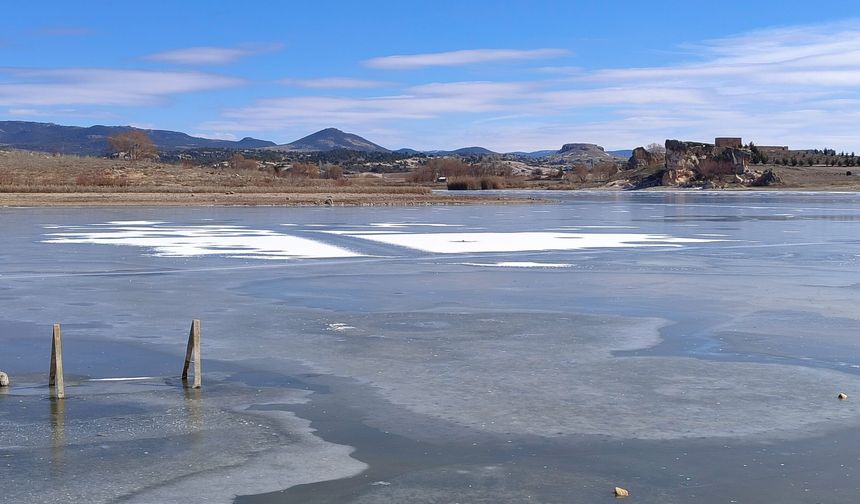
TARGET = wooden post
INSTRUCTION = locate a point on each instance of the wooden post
(55, 376)
(193, 349)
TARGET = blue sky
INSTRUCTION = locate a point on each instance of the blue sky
(443, 74)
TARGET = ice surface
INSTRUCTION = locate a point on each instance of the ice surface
(162, 444)
(555, 375)
(710, 348)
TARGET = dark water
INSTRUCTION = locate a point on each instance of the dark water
(705, 368)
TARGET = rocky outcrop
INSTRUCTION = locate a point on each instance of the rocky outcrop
(581, 153)
(766, 178)
(688, 163)
(4, 379)
(581, 147)
(643, 158)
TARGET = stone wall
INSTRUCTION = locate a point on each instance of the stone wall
(730, 142)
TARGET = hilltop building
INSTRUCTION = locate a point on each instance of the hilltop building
(730, 142)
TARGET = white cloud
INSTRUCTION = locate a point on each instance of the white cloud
(26, 112)
(336, 83)
(463, 57)
(215, 135)
(796, 86)
(25, 88)
(211, 55)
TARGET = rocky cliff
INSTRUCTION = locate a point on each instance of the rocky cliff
(691, 163)
(695, 164)
(643, 158)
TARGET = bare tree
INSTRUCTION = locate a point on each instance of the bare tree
(332, 171)
(656, 149)
(134, 144)
(305, 170)
(604, 171)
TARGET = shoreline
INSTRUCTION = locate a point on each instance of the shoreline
(285, 199)
(344, 199)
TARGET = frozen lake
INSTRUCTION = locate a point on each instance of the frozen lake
(681, 345)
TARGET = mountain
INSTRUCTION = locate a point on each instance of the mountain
(330, 139)
(92, 141)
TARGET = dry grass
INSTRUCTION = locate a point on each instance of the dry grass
(36, 179)
(31, 172)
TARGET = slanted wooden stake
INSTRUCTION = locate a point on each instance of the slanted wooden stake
(55, 377)
(193, 349)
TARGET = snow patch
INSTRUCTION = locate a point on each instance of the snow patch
(459, 243)
(200, 240)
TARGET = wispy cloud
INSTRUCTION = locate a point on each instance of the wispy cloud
(427, 101)
(336, 83)
(797, 86)
(215, 135)
(26, 88)
(211, 55)
(463, 57)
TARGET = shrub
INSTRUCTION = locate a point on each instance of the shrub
(476, 183)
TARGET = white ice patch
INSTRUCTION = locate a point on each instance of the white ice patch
(609, 227)
(350, 232)
(168, 240)
(410, 224)
(131, 223)
(460, 243)
(519, 264)
(338, 327)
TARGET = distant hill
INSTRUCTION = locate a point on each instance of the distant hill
(331, 139)
(581, 153)
(463, 151)
(92, 141)
(536, 154)
(469, 151)
(407, 151)
(623, 153)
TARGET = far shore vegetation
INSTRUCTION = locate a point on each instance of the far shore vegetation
(134, 165)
